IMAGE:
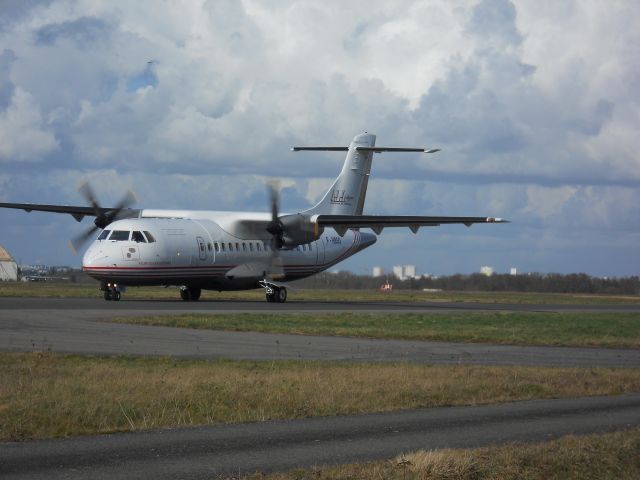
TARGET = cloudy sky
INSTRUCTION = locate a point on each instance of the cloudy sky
(193, 104)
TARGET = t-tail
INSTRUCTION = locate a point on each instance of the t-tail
(347, 194)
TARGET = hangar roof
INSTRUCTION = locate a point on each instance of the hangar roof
(4, 255)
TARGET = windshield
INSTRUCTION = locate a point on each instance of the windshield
(120, 235)
(104, 234)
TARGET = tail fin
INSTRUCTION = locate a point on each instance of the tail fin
(346, 195)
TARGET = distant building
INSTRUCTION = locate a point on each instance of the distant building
(377, 271)
(486, 270)
(404, 271)
(513, 271)
(8, 268)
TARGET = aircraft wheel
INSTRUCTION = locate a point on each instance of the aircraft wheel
(107, 295)
(281, 295)
(116, 296)
(190, 294)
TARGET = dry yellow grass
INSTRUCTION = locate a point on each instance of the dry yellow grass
(46, 395)
(614, 456)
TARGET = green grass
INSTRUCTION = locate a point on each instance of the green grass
(614, 456)
(83, 290)
(48, 395)
(528, 328)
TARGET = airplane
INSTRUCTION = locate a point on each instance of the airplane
(217, 250)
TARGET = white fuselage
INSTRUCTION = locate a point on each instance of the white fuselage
(197, 249)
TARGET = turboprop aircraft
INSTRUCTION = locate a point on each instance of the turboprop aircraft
(215, 250)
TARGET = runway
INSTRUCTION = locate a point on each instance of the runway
(204, 452)
(134, 307)
(77, 326)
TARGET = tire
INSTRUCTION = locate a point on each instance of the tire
(190, 294)
(281, 295)
(116, 296)
(107, 295)
(270, 297)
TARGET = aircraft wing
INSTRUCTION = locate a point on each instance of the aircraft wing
(341, 223)
(76, 212)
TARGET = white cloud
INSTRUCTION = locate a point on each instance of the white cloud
(23, 134)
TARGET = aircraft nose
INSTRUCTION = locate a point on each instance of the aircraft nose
(93, 255)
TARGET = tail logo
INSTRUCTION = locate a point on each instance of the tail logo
(341, 197)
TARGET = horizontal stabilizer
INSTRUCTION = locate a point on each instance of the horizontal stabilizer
(320, 149)
(366, 149)
(396, 149)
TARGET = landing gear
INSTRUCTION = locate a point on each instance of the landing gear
(275, 294)
(190, 294)
(111, 292)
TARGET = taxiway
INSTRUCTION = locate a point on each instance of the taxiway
(78, 326)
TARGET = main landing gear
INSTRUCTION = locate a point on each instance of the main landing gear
(190, 294)
(274, 293)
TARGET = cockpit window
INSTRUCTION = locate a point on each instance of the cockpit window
(120, 235)
(138, 237)
(150, 238)
(104, 234)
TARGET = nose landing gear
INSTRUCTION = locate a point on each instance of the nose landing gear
(112, 291)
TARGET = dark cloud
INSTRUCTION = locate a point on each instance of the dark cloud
(7, 57)
(495, 19)
(83, 31)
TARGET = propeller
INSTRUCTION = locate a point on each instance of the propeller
(103, 216)
(276, 229)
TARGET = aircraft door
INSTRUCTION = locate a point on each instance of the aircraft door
(202, 248)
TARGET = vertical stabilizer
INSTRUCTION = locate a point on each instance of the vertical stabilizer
(347, 194)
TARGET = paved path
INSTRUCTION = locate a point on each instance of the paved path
(203, 452)
(67, 329)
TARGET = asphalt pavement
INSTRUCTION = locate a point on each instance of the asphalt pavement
(78, 326)
(205, 452)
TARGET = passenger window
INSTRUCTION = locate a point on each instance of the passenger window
(222, 245)
(209, 246)
(138, 237)
(150, 238)
(217, 245)
(258, 246)
(237, 246)
(120, 235)
(104, 234)
(230, 247)
(251, 247)
(304, 248)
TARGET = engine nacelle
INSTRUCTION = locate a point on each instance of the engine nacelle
(298, 229)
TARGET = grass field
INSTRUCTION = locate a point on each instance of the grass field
(47, 395)
(577, 329)
(64, 290)
(610, 456)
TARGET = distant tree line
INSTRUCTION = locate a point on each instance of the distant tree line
(532, 282)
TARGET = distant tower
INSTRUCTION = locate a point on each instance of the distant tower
(377, 271)
(409, 271)
(397, 271)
